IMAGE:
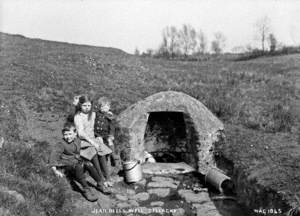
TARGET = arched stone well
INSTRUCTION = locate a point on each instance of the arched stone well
(202, 128)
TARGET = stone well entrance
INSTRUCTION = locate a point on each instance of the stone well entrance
(168, 137)
(170, 120)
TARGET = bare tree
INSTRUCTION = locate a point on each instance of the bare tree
(272, 42)
(201, 42)
(136, 52)
(149, 52)
(169, 43)
(263, 29)
(218, 44)
(163, 49)
(187, 38)
(172, 36)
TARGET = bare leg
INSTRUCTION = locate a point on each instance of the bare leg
(104, 167)
(112, 156)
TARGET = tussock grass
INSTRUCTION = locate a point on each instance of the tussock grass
(26, 171)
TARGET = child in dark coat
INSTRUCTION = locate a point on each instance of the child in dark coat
(66, 156)
(104, 126)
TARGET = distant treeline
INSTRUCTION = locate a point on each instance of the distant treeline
(255, 53)
(186, 43)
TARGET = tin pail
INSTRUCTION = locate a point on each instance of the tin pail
(133, 171)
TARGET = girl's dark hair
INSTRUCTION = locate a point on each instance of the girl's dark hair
(83, 99)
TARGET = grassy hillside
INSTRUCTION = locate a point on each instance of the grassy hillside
(257, 99)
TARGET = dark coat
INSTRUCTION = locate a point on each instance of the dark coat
(65, 154)
(104, 124)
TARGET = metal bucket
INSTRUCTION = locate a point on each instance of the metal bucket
(133, 171)
(219, 180)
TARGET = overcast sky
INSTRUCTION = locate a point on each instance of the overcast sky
(127, 24)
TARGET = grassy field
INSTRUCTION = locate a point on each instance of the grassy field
(258, 100)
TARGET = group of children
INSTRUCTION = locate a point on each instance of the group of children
(87, 145)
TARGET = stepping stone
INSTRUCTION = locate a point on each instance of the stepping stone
(191, 197)
(161, 178)
(207, 209)
(210, 212)
(143, 196)
(166, 168)
(123, 205)
(166, 184)
(157, 203)
(130, 192)
(161, 192)
(133, 203)
(121, 197)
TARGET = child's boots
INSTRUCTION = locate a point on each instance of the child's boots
(103, 188)
(89, 195)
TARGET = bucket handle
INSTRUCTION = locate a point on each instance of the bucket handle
(133, 166)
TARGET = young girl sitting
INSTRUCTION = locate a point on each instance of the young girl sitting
(91, 148)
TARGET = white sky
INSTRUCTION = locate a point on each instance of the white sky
(127, 24)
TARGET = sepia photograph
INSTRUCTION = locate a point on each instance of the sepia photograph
(149, 107)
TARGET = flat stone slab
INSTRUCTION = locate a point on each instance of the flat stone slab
(163, 184)
(143, 196)
(161, 179)
(121, 197)
(191, 197)
(133, 203)
(130, 192)
(123, 205)
(166, 168)
(161, 192)
(157, 203)
(207, 209)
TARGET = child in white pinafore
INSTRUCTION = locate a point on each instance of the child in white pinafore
(92, 148)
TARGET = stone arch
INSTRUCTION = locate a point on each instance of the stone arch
(131, 125)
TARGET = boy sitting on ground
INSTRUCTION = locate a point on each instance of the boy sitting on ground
(66, 157)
